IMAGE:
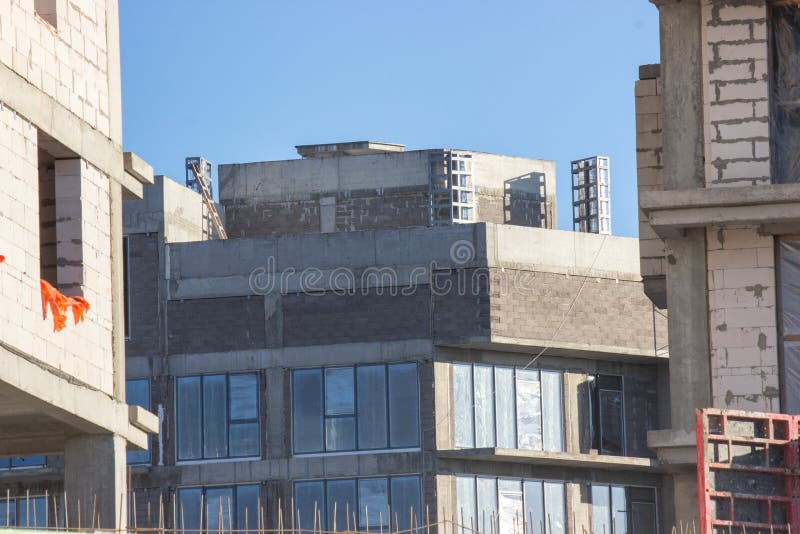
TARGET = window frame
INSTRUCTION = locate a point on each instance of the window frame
(126, 285)
(596, 416)
(387, 410)
(201, 415)
(233, 508)
(629, 501)
(522, 481)
(9, 503)
(356, 480)
(515, 398)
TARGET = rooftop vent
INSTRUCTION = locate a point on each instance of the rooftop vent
(354, 148)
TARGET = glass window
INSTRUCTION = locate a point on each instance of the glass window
(514, 408)
(463, 404)
(25, 512)
(372, 401)
(363, 408)
(623, 510)
(784, 76)
(789, 276)
(403, 405)
(601, 509)
(505, 408)
(373, 502)
(217, 416)
(607, 412)
(347, 504)
(510, 505)
(219, 508)
(484, 407)
(137, 393)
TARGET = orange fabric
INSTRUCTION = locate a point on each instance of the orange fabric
(2, 258)
(58, 304)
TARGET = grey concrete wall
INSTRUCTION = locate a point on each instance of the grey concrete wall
(144, 337)
(374, 191)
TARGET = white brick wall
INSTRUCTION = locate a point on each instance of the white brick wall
(736, 92)
(742, 320)
(650, 173)
(85, 350)
(69, 62)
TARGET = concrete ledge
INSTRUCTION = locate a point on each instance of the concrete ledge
(560, 459)
(556, 348)
(138, 168)
(669, 212)
(676, 449)
(142, 419)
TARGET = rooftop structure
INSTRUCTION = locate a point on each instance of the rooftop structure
(591, 195)
(381, 188)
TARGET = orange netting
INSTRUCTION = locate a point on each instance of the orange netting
(58, 304)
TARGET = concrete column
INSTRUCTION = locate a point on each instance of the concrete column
(94, 481)
(682, 97)
(687, 291)
(117, 290)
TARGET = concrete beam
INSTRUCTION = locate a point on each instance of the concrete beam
(64, 126)
(565, 459)
(138, 168)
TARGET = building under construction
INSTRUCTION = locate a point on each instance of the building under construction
(361, 352)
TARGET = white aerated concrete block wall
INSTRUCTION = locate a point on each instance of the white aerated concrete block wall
(742, 319)
(83, 351)
(68, 60)
(736, 93)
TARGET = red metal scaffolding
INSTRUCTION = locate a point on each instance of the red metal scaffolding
(748, 472)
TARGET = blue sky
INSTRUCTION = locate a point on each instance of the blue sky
(246, 80)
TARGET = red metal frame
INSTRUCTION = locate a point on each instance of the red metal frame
(779, 431)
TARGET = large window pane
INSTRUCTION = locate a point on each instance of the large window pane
(307, 410)
(244, 396)
(218, 508)
(31, 512)
(247, 507)
(403, 405)
(509, 498)
(552, 409)
(619, 508)
(784, 107)
(406, 502)
(341, 504)
(484, 406)
(611, 422)
(601, 508)
(137, 393)
(372, 426)
(244, 439)
(462, 406)
(340, 434)
(28, 461)
(189, 512)
(308, 498)
(529, 410)
(505, 407)
(373, 502)
(215, 417)
(534, 507)
(643, 517)
(555, 513)
(487, 504)
(190, 427)
(339, 391)
(465, 498)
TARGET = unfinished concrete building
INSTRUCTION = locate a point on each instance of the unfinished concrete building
(591, 195)
(716, 140)
(63, 177)
(365, 185)
(405, 371)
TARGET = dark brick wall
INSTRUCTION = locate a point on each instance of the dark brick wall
(461, 307)
(606, 312)
(145, 321)
(354, 210)
(216, 325)
(320, 319)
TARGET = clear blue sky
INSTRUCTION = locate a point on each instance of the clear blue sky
(246, 80)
